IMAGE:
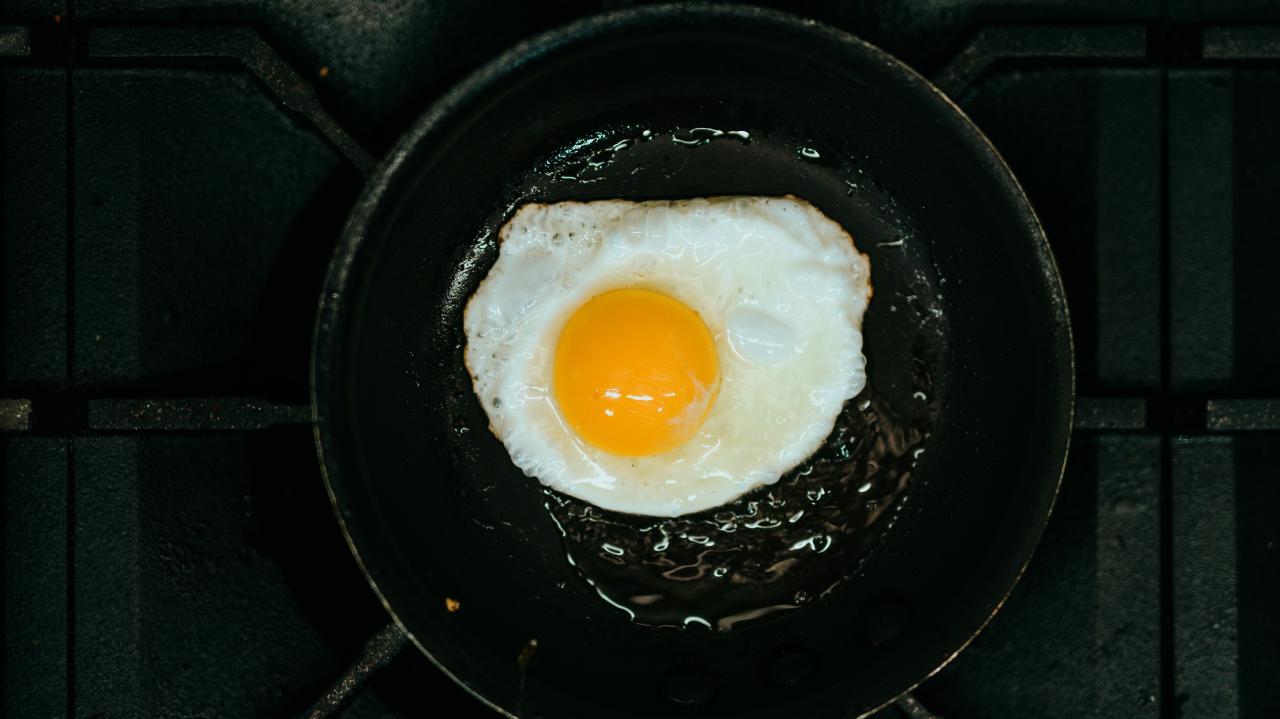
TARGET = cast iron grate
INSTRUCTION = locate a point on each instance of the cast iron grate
(133, 387)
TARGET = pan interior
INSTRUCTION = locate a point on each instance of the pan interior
(964, 291)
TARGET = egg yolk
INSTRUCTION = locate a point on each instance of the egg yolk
(635, 372)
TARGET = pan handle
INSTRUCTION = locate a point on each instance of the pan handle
(378, 652)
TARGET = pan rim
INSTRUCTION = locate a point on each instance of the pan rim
(332, 312)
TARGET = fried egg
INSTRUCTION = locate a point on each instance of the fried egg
(666, 357)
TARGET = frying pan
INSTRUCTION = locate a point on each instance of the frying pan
(967, 294)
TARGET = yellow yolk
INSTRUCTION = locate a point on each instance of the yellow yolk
(635, 372)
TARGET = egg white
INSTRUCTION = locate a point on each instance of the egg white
(781, 287)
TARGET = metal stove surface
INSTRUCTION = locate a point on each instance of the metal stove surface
(174, 174)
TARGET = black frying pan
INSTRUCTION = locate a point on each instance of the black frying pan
(968, 306)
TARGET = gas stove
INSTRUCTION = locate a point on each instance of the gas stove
(173, 178)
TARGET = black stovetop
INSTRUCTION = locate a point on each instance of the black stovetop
(173, 176)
